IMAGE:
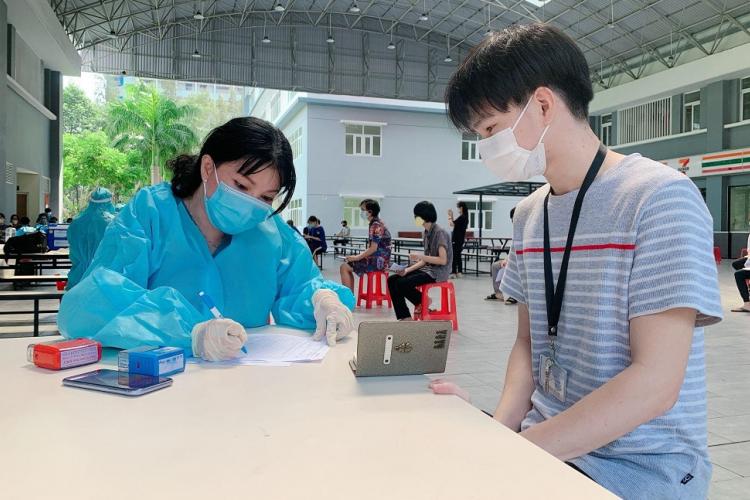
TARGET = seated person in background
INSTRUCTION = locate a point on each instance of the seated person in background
(86, 232)
(741, 273)
(497, 270)
(14, 223)
(290, 223)
(69, 220)
(53, 220)
(432, 267)
(315, 236)
(342, 237)
(24, 227)
(377, 256)
(740, 263)
(3, 225)
(42, 222)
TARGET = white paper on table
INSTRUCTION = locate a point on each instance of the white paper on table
(276, 346)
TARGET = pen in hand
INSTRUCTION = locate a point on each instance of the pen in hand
(214, 310)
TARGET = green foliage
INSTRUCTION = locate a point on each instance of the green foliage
(91, 161)
(80, 114)
(148, 124)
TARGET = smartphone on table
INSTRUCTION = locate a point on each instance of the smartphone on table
(117, 382)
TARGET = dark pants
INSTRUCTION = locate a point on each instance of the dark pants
(740, 277)
(402, 288)
(339, 242)
(739, 263)
(458, 263)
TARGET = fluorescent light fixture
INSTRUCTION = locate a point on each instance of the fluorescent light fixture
(196, 54)
(424, 17)
(330, 39)
(538, 3)
(391, 46)
(198, 15)
(266, 39)
(354, 8)
(279, 7)
(448, 58)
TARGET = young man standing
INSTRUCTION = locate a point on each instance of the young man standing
(607, 371)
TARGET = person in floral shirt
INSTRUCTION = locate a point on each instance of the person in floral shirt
(377, 256)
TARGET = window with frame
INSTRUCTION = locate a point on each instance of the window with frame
(469, 147)
(605, 132)
(362, 139)
(474, 209)
(274, 107)
(352, 213)
(745, 98)
(691, 114)
(645, 121)
(295, 141)
(294, 211)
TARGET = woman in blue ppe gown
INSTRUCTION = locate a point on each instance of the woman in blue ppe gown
(210, 230)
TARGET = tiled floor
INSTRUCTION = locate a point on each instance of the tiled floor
(479, 352)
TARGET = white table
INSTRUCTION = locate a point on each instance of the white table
(306, 431)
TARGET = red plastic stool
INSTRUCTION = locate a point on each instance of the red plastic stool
(377, 289)
(447, 309)
(717, 255)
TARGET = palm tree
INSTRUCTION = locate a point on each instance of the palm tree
(148, 122)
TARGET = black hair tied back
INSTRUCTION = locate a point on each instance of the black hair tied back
(258, 143)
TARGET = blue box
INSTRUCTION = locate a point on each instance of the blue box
(154, 361)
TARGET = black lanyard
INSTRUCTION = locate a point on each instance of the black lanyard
(554, 295)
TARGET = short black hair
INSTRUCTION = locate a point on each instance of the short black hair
(2, 215)
(508, 66)
(25, 221)
(290, 222)
(371, 206)
(426, 210)
(48, 210)
(312, 218)
(512, 213)
(344, 222)
(258, 143)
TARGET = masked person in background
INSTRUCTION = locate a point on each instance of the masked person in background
(434, 266)
(212, 230)
(86, 231)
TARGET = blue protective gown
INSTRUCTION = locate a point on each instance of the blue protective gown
(85, 233)
(142, 286)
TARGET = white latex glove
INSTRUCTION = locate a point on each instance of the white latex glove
(332, 318)
(218, 339)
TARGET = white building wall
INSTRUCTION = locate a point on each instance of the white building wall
(300, 163)
(421, 160)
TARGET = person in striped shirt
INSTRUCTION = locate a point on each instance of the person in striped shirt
(611, 380)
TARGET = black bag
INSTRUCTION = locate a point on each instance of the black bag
(27, 243)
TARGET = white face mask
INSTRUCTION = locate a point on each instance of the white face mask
(502, 155)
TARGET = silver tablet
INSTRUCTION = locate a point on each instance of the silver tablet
(401, 348)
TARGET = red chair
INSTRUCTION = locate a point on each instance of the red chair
(377, 289)
(447, 311)
(717, 255)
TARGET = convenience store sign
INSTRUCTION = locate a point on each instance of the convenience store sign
(726, 162)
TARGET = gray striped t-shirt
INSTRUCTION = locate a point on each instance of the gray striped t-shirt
(643, 245)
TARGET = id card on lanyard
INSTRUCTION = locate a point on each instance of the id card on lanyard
(552, 377)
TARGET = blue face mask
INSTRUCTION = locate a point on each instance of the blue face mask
(233, 212)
